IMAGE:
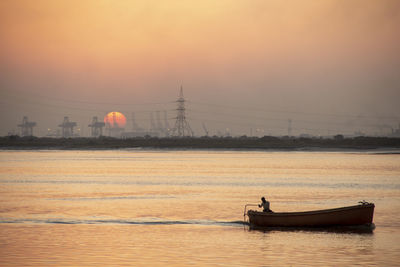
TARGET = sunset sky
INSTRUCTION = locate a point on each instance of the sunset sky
(328, 65)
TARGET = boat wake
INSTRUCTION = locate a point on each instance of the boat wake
(146, 221)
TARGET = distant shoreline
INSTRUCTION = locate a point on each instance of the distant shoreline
(267, 143)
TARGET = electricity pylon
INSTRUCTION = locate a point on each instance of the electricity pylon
(182, 127)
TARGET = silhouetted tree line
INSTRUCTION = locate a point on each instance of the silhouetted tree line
(244, 142)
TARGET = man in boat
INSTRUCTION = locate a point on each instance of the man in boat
(265, 205)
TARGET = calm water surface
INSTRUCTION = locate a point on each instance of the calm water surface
(157, 208)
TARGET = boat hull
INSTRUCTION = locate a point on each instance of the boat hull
(346, 216)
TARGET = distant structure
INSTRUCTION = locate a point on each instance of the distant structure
(153, 126)
(26, 127)
(395, 132)
(135, 126)
(67, 128)
(289, 130)
(182, 127)
(96, 127)
(205, 128)
(137, 131)
(53, 132)
(167, 128)
(159, 127)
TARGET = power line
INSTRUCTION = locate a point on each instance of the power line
(288, 111)
(84, 102)
(40, 103)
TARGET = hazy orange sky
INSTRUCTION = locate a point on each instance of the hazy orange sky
(283, 58)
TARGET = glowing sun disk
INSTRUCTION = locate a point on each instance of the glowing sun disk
(115, 119)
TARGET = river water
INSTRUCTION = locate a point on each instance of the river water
(180, 208)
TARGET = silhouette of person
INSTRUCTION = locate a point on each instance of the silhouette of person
(265, 205)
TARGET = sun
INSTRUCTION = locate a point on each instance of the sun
(115, 119)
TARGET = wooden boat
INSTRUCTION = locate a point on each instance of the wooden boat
(347, 216)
